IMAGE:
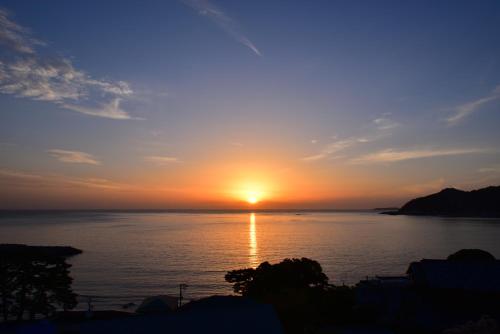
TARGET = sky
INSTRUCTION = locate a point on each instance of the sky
(218, 104)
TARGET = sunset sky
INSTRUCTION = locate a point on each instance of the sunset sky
(216, 104)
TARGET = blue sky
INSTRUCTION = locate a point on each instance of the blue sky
(362, 103)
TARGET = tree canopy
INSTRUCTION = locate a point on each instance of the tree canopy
(290, 274)
(32, 284)
(299, 291)
(471, 255)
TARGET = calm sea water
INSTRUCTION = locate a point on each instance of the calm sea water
(128, 256)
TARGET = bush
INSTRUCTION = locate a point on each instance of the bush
(299, 291)
(32, 285)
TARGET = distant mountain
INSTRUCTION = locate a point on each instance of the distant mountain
(453, 202)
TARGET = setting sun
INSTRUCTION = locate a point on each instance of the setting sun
(252, 191)
(253, 196)
(252, 199)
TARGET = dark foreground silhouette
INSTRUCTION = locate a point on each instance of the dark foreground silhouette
(34, 281)
(460, 294)
(299, 291)
(50, 251)
(435, 296)
(453, 202)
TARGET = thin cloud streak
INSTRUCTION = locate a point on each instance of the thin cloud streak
(15, 37)
(226, 23)
(384, 123)
(465, 110)
(379, 128)
(25, 73)
(108, 110)
(391, 155)
(18, 174)
(426, 187)
(162, 160)
(31, 180)
(492, 169)
(73, 157)
(335, 147)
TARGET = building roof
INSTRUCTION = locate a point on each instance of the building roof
(158, 304)
(385, 282)
(222, 315)
(479, 276)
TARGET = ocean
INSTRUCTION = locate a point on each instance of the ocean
(131, 255)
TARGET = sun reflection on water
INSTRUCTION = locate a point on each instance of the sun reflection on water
(253, 256)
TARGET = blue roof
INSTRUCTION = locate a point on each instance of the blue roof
(481, 276)
(214, 315)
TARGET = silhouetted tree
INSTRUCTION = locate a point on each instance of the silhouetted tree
(290, 274)
(474, 255)
(299, 291)
(32, 284)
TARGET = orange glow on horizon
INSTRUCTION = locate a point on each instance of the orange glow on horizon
(252, 200)
(245, 184)
(251, 192)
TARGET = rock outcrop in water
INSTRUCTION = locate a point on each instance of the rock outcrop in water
(25, 250)
(483, 202)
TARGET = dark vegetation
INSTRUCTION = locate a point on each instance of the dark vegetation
(474, 255)
(435, 295)
(34, 281)
(453, 202)
(432, 298)
(299, 291)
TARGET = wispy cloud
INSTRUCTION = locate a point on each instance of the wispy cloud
(26, 73)
(490, 169)
(28, 179)
(391, 155)
(162, 160)
(379, 128)
(74, 157)
(111, 110)
(15, 37)
(465, 110)
(335, 147)
(93, 182)
(385, 123)
(221, 19)
(426, 187)
(18, 174)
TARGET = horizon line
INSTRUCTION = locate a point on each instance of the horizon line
(188, 210)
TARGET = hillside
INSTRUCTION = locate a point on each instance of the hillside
(483, 202)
